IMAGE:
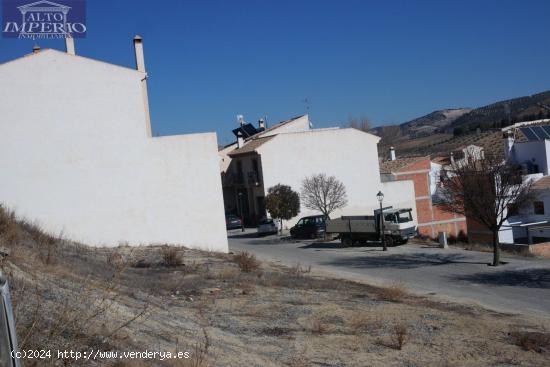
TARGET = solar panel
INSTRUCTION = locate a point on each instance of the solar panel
(546, 129)
(246, 130)
(540, 132)
(529, 133)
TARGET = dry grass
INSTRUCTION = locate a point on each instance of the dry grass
(400, 334)
(532, 341)
(362, 322)
(316, 325)
(394, 292)
(226, 312)
(171, 256)
(247, 262)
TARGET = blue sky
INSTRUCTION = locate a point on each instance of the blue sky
(390, 61)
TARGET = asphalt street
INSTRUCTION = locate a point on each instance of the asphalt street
(520, 286)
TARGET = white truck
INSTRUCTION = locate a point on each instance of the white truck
(399, 226)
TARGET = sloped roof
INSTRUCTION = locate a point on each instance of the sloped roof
(542, 184)
(262, 133)
(250, 146)
(400, 163)
(44, 50)
(278, 125)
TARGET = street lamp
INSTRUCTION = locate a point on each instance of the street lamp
(241, 210)
(380, 197)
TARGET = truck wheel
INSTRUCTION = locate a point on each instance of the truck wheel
(346, 241)
(389, 241)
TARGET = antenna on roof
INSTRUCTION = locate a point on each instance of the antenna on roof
(240, 119)
(306, 101)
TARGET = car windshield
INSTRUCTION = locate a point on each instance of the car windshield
(404, 217)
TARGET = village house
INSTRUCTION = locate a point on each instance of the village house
(425, 173)
(78, 156)
(292, 150)
(528, 145)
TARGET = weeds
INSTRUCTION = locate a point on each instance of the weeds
(400, 335)
(531, 341)
(361, 322)
(171, 256)
(395, 292)
(297, 271)
(247, 262)
(317, 325)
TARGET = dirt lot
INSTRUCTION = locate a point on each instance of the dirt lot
(228, 310)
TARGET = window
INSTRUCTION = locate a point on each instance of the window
(513, 209)
(390, 218)
(539, 207)
(404, 217)
(309, 221)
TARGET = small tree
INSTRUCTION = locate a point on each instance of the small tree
(322, 193)
(483, 189)
(282, 203)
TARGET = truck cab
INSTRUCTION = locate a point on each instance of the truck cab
(398, 227)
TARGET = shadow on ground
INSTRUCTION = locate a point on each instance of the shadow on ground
(402, 261)
(530, 278)
(375, 246)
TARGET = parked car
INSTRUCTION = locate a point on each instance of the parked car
(233, 222)
(267, 226)
(309, 227)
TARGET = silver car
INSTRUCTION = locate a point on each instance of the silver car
(267, 226)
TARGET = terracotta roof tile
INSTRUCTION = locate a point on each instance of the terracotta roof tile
(542, 184)
(401, 162)
(250, 146)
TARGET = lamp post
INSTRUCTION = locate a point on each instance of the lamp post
(241, 210)
(380, 197)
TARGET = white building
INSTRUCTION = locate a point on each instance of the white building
(78, 157)
(291, 151)
(528, 144)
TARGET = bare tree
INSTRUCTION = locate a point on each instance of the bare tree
(484, 188)
(323, 193)
(360, 123)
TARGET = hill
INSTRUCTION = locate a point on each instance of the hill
(504, 113)
(434, 132)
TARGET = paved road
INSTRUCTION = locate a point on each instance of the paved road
(521, 286)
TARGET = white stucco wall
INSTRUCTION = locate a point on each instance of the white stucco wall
(400, 194)
(76, 157)
(348, 154)
(296, 125)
